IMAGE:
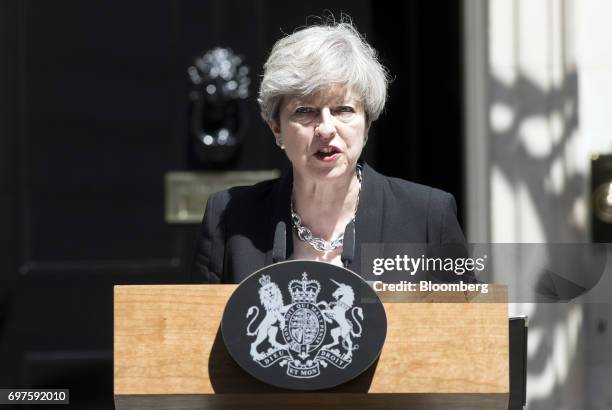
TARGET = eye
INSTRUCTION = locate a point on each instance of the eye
(344, 109)
(304, 110)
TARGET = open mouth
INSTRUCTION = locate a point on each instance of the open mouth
(327, 153)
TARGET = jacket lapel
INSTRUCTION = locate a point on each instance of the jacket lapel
(281, 211)
(370, 212)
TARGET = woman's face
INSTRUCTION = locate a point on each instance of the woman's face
(323, 133)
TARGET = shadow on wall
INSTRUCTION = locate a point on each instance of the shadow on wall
(536, 164)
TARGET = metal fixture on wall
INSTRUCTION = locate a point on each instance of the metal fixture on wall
(601, 188)
(187, 192)
(218, 118)
(219, 88)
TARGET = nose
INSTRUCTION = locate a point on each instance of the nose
(326, 128)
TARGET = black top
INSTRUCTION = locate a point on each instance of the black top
(237, 233)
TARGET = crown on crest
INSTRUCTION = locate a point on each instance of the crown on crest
(264, 280)
(305, 290)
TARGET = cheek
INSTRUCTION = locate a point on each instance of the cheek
(357, 136)
(296, 137)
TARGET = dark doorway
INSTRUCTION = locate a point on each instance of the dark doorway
(93, 114)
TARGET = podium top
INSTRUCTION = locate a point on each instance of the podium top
(167, 341)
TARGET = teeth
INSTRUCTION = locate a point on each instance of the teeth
(327, 150)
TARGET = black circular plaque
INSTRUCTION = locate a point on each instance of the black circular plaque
(304, 325)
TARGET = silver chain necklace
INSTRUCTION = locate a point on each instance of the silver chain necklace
(320, 244)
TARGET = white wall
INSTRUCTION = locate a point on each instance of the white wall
(594, 60)
(538, 104)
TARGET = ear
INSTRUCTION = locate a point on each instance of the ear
(367, 132)
(275, 128)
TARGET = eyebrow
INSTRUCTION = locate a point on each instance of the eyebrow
(333, 104)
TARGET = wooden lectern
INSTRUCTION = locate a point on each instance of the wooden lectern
(169, 354)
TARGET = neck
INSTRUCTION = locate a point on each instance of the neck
(326, 207)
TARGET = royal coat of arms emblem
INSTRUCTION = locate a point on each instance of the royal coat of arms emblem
(294, 333)
(304, 325)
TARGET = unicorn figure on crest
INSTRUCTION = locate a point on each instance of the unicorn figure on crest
(336, 312)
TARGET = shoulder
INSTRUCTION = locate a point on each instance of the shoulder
(413, 210)
(246, 195)
(243, 209)
(414, 193)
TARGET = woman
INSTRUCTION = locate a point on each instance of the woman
(322, 89)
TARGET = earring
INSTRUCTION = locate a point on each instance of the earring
(280, 143)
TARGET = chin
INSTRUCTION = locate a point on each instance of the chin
(330, 172)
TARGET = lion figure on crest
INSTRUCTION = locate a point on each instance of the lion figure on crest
(271, 299)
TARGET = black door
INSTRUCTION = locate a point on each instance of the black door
(94, 112)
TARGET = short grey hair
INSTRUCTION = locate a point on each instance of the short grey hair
(318, 57)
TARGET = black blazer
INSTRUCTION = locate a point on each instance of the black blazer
(237, 232)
